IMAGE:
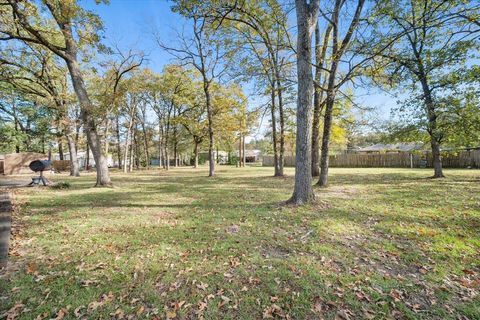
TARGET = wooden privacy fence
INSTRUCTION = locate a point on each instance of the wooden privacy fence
(461, 159)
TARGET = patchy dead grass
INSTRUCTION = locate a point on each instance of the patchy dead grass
(376, 244)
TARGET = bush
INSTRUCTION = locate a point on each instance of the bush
(233, 160)
(61, 185)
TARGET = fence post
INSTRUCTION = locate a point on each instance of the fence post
(5, 226)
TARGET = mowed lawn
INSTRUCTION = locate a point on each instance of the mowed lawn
(377, 244)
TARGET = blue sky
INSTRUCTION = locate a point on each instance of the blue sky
(129, 24)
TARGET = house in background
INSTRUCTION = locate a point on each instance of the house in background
(392, 147)
(82, 159)
(251, 156)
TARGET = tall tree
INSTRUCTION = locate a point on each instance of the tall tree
(34, 71)
(201, 51)
(432, 52)
(25, 21)
(307, 15)
(259, 29)
(339, 48)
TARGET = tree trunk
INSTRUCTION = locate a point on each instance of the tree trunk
(243, 151)
(105, 134)
(136, 147)
(327, 118)
(277, 172)
(60, 149)
(125, 153)
(175, 153)
(240, 150)
(14, 109)
(128, 141)
(160, 146)
(119, 149)
(282, 129)
(437, 159)
(166, 152)
(327, 129)
(307, 15)
(316, 107)
(87, 158)
(195, 153)
(145, 146)
(89, 125)
(211, 162)
(131, 159)
(72, 149)
(435, 136)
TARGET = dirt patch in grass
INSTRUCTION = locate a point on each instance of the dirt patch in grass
(339, 192)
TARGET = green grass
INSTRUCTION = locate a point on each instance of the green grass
(378, 243)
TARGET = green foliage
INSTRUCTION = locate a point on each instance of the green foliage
(61, 185)
(429, 55)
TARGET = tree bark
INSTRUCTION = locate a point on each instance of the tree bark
(211, 162)
(145, 145)
(338, 49)
(60, 149)
(282, 126)
(119, 149)
(307, 15)
(72, 149)
(128, 139)
(240, 150)
(243, 151)
(136, 146)
(131, 159)
(89, 125)
(320, 53)
(435, 136)
(195, 153)
(277, 172)
(327, 129)
(87, 160)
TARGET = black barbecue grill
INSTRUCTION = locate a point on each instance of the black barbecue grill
(40, 166)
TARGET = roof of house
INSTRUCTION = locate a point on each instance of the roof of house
(402, 146)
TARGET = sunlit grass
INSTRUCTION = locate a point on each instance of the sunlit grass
(377, 243)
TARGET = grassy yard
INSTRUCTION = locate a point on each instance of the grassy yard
(377, 244)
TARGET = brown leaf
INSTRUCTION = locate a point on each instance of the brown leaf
(42, 316)
(105, 298)
(77, 313)
(15, 311)
(273, 310)
(171, 314)
(343, 315)
(61, 314)
(119, 314)
(202, 286)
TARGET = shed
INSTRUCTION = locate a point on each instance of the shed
(17, 163)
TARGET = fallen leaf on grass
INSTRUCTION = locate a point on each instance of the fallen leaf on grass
(42, 316)
(171, 314)
(344, 315)
(61, 314)
(118, 314)
(272, 311)
(105, 298)
(15, 311)
(202, 286)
